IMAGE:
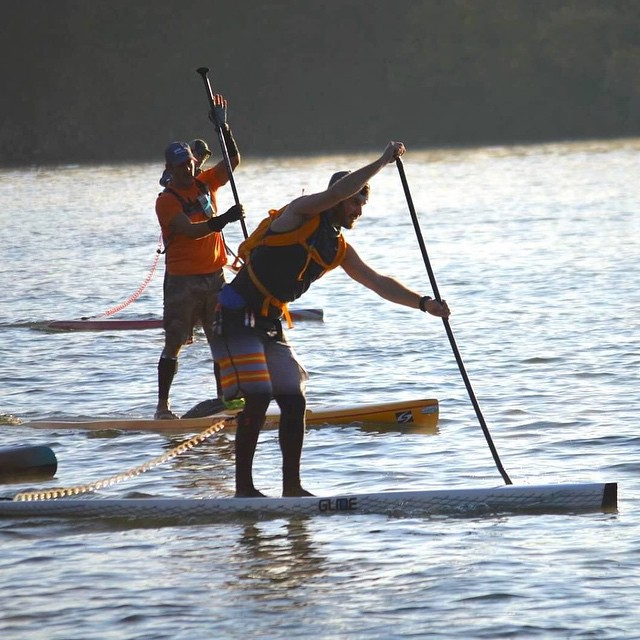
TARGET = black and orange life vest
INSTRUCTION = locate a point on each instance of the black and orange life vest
(280, 267)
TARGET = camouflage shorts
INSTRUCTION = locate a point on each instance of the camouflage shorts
(190, 301)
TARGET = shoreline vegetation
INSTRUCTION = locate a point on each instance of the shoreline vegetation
(112, 82)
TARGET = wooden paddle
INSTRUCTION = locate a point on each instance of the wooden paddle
(447, 326)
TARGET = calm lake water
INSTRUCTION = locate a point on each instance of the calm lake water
(535, 248)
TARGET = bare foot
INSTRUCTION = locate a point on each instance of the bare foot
(249, 493)
(295, 492)
(165, 414)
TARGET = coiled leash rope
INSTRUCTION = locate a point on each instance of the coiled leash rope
(134, 296)
(61, 492)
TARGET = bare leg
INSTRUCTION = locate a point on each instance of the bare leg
(216, 375)
(291, 436)
(167, 368)
(216, 367)
(250, 422)
(212, 405)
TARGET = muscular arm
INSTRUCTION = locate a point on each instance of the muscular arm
(387, 287)
(300, 209)
(219, 118)
(182, 224)
(220, 169)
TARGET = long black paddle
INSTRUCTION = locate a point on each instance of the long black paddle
(447, 326)
(203, 71)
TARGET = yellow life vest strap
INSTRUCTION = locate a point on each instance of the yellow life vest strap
(269, 298)
(296, 236)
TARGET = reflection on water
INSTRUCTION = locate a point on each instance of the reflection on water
(279, 556)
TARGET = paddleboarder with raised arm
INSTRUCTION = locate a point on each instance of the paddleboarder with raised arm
(195, 252)
(283, 257)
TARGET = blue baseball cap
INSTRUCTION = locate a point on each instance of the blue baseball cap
(178, 153)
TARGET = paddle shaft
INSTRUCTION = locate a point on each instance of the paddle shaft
(447, 326)
(203, 71)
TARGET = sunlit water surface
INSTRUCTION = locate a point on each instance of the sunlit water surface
(535, 248)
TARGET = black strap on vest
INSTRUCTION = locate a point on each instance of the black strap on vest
(188, 208)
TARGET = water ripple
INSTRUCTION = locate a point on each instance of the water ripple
(527, 243)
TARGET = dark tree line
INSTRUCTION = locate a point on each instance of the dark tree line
(114, 80)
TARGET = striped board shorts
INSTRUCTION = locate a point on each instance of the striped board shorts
(256, 360)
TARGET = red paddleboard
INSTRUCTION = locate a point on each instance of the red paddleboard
(133, 324)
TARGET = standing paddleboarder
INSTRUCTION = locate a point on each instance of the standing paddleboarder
(195, 252)
(283, 257)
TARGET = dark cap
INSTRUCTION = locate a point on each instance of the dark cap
(338, 175)
(200, 149)
(178, 153)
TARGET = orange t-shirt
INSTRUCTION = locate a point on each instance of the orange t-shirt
(185, 255)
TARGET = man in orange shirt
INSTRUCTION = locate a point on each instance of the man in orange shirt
(195, 251)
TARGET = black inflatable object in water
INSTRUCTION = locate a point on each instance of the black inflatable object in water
(27, 462)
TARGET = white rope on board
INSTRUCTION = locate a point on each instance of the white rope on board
(61, 492)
